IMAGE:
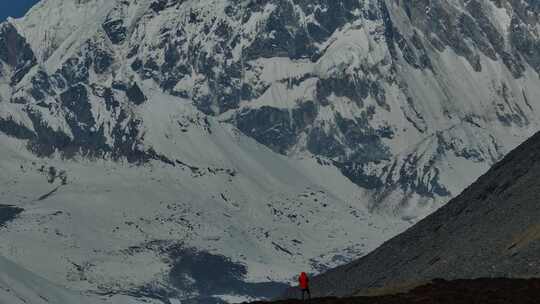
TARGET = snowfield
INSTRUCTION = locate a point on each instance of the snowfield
(113, 227)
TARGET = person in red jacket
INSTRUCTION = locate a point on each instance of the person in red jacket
(303, 283)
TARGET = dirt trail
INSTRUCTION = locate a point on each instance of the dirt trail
(479, 291)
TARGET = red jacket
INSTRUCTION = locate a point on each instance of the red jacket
(303, 281)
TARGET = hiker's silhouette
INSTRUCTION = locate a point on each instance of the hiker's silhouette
(303, 283)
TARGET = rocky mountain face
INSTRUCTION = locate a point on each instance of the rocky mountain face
(488, 231)
(403, 97)
(275, 118)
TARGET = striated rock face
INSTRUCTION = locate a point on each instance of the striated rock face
(401, 96)
(15, 53)
(488, 231)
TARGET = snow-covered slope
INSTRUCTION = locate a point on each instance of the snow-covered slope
(266, 136)
(114, 227)
(19, 286)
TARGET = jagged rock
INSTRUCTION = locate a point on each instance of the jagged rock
(487, 231)
(135, 94)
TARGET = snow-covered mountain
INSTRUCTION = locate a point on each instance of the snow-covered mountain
(153, 142)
